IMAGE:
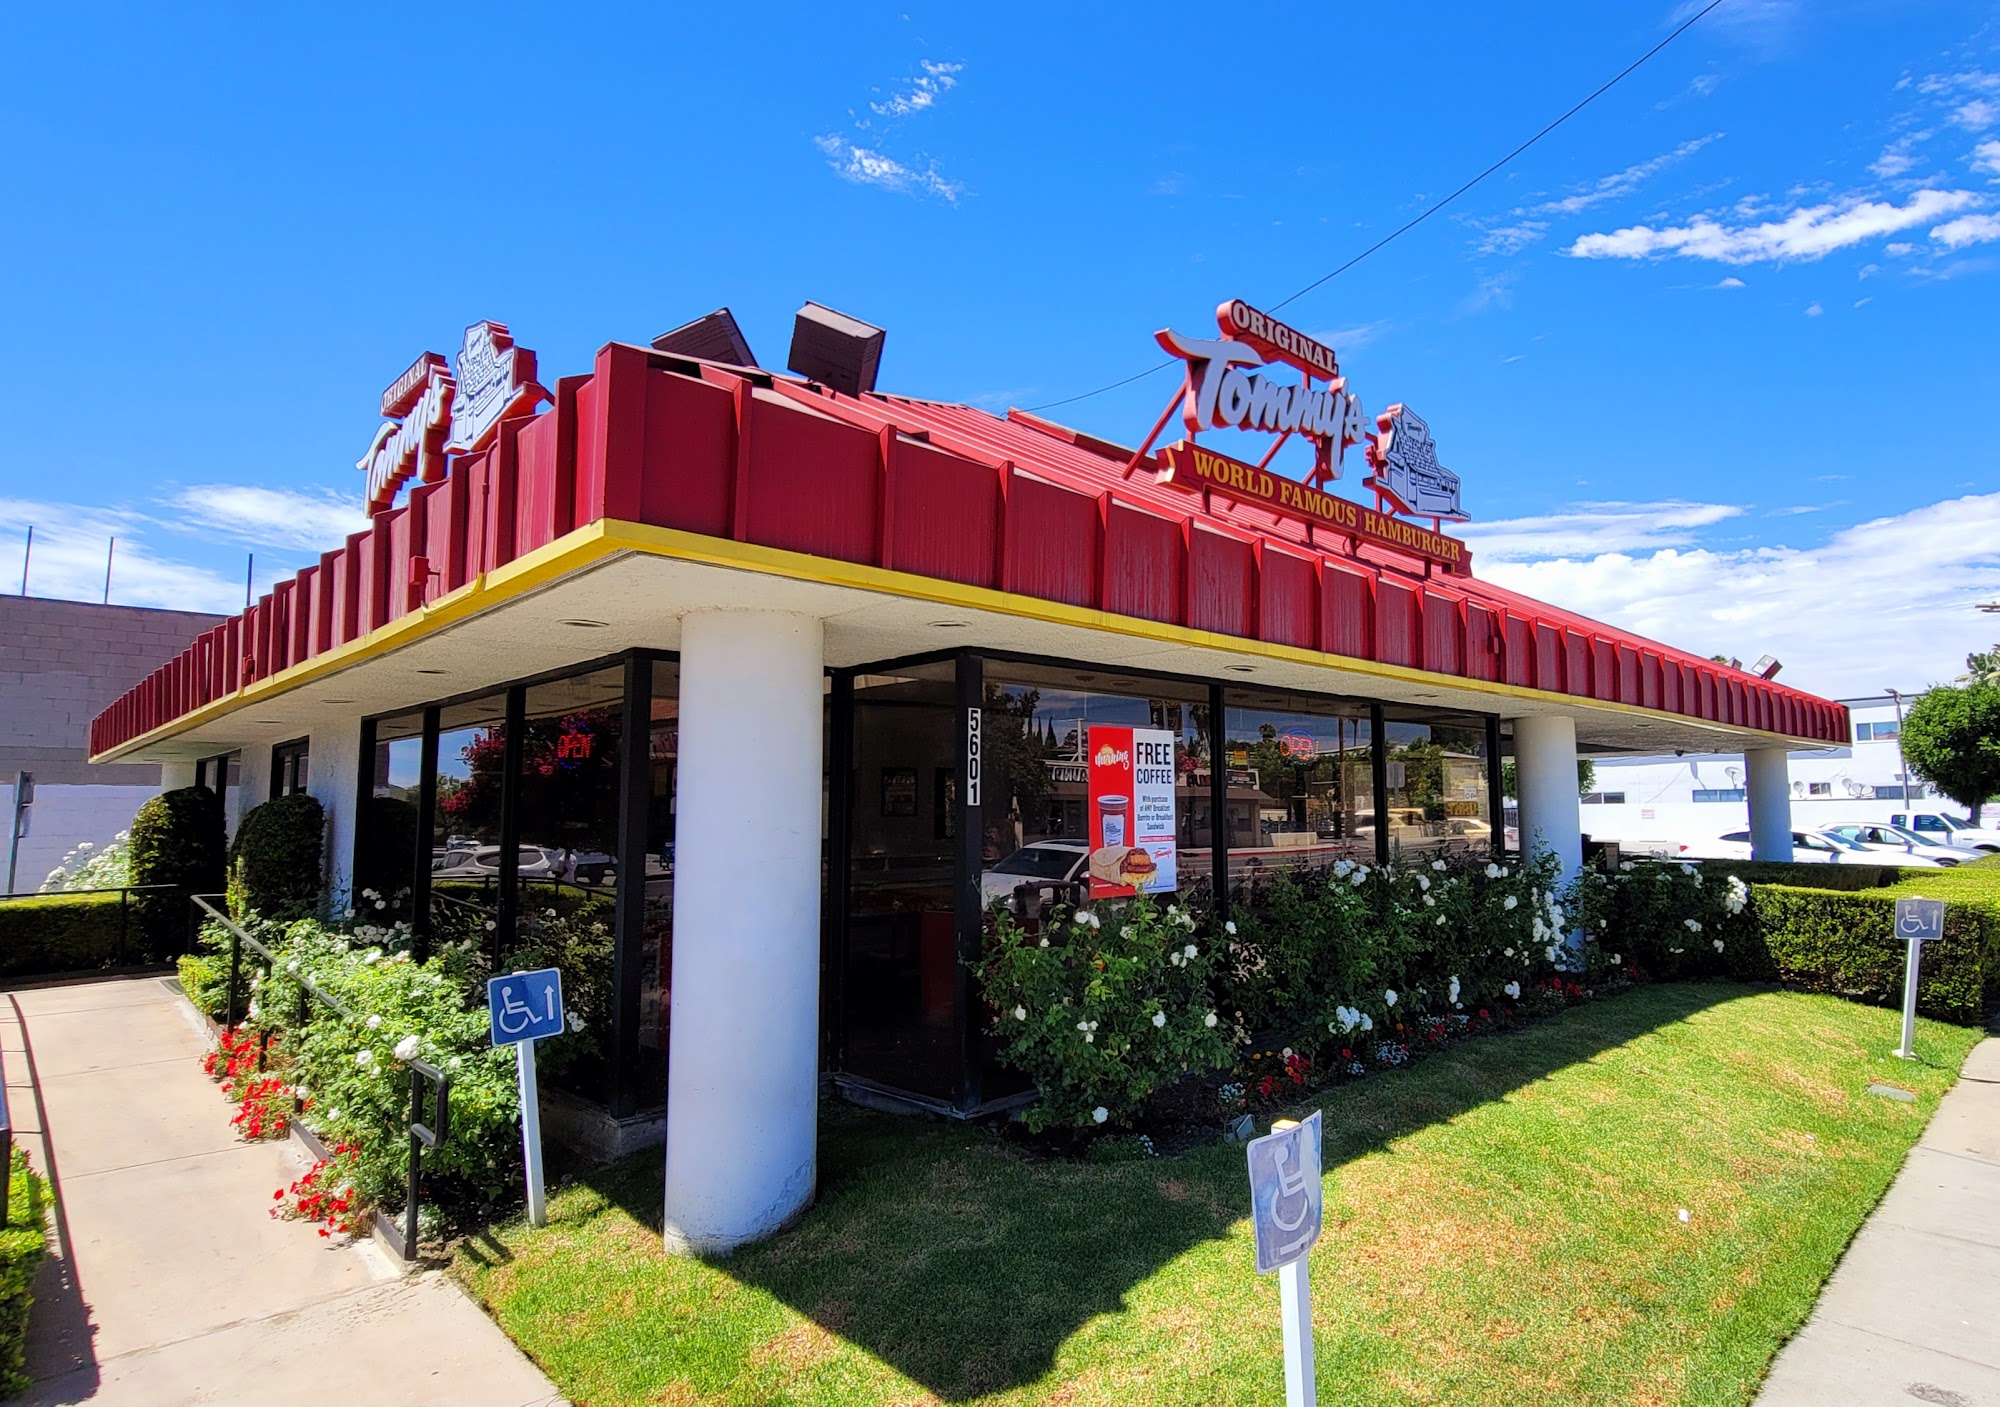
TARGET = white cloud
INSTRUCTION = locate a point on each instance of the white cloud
(1511, 239)
(1592, 528)
(1900, 248)
(67, 561)
(259, 517)
(922, 92)
(867, 167)
(1977, 115)
(1986, 158)
(1810, 232)
(1800, 603)
(1622, 183)
(1732, 282)
(1813, 310)
(1967, 229)
(1898, 158)
(1353, 339)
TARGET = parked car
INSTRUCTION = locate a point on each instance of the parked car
(1047, 861)
(1940, 829)
(1808, 848)
(1893, 841)
(483, 862)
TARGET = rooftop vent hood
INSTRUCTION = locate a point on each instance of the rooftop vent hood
(714, 338)
(835, 349)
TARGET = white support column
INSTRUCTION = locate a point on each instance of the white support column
(1768, 785)
(175, 775)
(333, 771)
(1545, 769)
(743, 1078)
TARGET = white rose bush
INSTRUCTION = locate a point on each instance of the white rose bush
(1113, 1007)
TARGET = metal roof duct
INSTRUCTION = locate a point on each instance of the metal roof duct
(835, 349)
(714, 338)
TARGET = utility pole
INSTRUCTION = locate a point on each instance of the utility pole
(1908, 809)
(249, 570)
(109, 553)
(26, 554)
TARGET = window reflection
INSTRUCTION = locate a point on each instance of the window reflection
(1439, 801)
(1301, 783)
(386, 846)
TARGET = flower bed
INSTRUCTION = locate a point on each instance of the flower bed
(1128, 1016)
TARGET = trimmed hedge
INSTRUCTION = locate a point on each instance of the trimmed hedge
(51, 933)
(22, 1245)
(274, 862)
(1845, 879)
(1844, 944)
(177, 839)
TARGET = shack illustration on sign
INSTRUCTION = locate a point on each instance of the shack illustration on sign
(1132, 823)
(1228, 385)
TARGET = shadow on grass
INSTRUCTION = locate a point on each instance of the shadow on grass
(965, 1263)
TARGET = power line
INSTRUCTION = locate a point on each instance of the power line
(1412, 223)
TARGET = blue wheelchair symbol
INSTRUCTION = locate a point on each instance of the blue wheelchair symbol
(525, 1006)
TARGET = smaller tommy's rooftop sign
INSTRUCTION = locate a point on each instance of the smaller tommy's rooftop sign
(430, 413)
(1228, 385)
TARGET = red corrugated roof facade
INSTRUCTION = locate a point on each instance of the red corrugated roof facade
(942, 491)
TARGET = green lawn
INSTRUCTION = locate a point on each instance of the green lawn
(1502, 1227)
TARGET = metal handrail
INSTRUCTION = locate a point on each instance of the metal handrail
(428, 1126)
(101, 889)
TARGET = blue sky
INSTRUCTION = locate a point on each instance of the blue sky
(1715, 360)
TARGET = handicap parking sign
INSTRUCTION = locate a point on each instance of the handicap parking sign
(1285, 1193)
(1921, 919)
(525, 1006)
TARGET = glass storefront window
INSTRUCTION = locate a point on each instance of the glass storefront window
(901, 960)
(1035, 734)
(567, 857)
(465, 820)
(386, 847)
(1439, 801)
(1301, 783)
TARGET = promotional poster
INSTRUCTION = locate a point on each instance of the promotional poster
(1131, 812)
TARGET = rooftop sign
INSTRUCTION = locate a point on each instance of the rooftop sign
(1228, 385)
(430, 413)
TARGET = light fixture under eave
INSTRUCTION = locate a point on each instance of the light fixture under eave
(433, 671)
(583, 624)
(949, 624)
(1241, 668)
(337, 701)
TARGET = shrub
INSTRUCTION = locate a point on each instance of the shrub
(1845, 878)
(23, 1243)
(1845, 944)
(1669, 920)
(1311, 951)
(54, 933)
(88, 866)
(1104, 1008)
(176, 840)
(274, 861)
(351, 1071)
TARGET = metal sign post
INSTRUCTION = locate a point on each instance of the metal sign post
(1286, 1210)
(1919, 921)
(525, 1007)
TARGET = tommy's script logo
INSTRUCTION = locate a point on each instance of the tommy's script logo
(1222, 389)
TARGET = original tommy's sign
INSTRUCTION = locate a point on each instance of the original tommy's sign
(1228, 385)
(1188, 466)
(430, 413)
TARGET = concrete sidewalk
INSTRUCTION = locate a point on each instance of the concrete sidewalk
(1913, 1312)
(170, 1282)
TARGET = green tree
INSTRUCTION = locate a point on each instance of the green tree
(1951, 738)
(1982, 667)
(1586, 778)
